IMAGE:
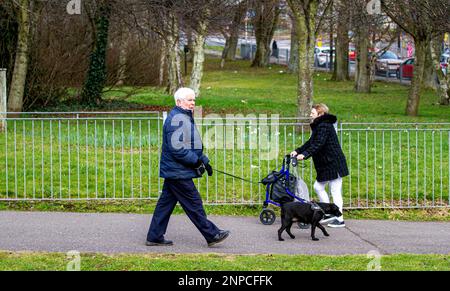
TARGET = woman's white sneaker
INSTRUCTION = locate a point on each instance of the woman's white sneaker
(336, 224)
(327, 218)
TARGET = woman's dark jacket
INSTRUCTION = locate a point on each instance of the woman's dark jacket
(323, 146)
(182, 147)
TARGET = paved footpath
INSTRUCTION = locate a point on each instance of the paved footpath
(126, 233)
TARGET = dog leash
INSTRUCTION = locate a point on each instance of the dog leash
(246, 180)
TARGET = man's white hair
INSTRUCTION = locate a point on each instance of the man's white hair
(182, 93)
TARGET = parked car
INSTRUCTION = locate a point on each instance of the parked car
(406, 69)
(444, 62)
(387, 63)
(352, 54)
(322, 56)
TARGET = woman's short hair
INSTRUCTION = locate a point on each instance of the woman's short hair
(321, 108)
(182, 93)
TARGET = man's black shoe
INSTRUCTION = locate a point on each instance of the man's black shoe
(222, 235)
(161, 243)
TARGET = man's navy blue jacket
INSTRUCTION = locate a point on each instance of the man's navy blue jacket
(182, 146)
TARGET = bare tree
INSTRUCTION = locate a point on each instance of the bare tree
(307, 16)
(293, 57)
(16, 93)
(419, 18)
(198, 48)
(443, 86)
(265, 21)
(91, 93)
(231, 31)
(341, 72)
(362, 23)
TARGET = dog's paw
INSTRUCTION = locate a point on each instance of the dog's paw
(326, 234)
(315, 239)
(281, 239)
(292, 236)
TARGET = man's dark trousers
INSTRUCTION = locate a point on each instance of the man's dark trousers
(183, 191)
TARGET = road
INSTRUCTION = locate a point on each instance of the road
(126, 233)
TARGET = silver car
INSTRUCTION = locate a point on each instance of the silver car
(387, 63)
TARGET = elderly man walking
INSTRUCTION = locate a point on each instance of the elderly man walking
(182, 159)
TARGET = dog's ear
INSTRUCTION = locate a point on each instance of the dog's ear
(336, 210)
(334, 207)
(326, 207)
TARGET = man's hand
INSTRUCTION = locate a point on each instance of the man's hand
(199, 168)
(198, 164)
(300, 157)
(294, 153)
(209, 169)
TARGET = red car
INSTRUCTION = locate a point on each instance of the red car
(406, 69)
(352, 55)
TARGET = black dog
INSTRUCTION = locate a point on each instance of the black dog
(305, 212)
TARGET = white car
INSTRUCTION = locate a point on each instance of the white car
(322, 56)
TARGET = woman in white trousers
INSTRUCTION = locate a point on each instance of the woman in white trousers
(329, 160)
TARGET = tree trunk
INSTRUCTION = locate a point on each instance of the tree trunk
(293, 57)
(229, 51)
(342, 43)
(305, 28)
(173, 57)
(162, 62)
(362, 75)
(429, 74)
(267, 13)
(190, 44)
(262, 53)
(331, 38)
(121, 72)
(96, 76)
(412, 106)
(15, 102)
(199, 57)
(443, 88)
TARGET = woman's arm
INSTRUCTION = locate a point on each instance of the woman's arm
(303, 147)
(317, 143)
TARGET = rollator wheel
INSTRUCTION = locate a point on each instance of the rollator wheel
(303, 225)
(267, 216)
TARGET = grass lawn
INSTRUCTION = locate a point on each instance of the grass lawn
(218, 262)
(240, 89)
(119, 158)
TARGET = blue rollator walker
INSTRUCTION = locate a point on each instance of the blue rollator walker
(281, 187)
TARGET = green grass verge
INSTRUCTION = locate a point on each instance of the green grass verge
(206, 262)
(119, 159)
(386, 166)
(238, 88)
(147, 207)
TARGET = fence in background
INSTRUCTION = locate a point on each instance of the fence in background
(98, 155)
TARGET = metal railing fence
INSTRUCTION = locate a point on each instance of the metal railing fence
(84, 156)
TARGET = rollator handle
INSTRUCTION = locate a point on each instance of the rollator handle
(294, 161)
